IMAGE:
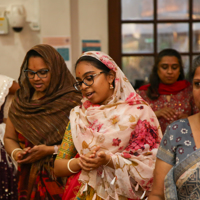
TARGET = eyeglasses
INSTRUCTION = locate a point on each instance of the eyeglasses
(88, 80)
(40, 73)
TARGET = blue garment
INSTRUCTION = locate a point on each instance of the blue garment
(177, 142)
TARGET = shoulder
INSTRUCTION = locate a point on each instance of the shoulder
(143, 94)
(179, 125)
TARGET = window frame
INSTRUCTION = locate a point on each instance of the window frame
(115, 32)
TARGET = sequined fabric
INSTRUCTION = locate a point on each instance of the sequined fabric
(8, 180)
(181, 102)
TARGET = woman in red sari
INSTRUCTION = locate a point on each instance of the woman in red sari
(169, 95)
(37, 120)
(114, 133)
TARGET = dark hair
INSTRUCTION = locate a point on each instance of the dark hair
(96, 63)
(32, 53)
(154, 79)
(195, 65)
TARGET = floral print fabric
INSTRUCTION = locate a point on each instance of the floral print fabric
(177, 142)
(127, 129)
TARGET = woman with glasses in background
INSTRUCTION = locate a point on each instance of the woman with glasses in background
(109, 148)
(37, 121)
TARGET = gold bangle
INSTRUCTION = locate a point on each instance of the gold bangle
(14, 151)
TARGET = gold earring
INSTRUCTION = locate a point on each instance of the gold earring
(111, 86)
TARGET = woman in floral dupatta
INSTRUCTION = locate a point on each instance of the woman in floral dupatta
(114, 131)
(179, 154)
(37, 120)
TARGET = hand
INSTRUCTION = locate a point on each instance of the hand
(34, 154)
(20, 154)
(92, 153)
(182, 116)
(167, 113)
(90, 163)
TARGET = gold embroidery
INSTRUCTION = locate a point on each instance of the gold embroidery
(132, 126)
(77, 113)
(132, 119)
(134, 163)
(84, 145)
(147, 153)
(122, 128)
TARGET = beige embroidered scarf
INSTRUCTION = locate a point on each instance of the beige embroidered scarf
(127, 129)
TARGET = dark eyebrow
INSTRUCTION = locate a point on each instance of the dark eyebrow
(38, 70)
(85, 74)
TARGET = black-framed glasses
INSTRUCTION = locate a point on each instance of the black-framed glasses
(42, 73)
(88, 80)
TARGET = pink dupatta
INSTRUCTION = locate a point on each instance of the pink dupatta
(127, 129)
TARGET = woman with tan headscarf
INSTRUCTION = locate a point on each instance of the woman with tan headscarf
(37, 121)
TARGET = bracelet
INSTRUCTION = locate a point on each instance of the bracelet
(108, 161)
(14, 151)
(69, 167)
(55, 150)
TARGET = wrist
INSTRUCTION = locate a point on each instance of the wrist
(157, 114)
(73, 165)
(14, 153)
(108, 159)
(55, 150)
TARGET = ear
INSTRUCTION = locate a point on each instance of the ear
(111, 76)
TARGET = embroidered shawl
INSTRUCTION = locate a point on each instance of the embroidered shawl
(5, 83)
(127, 129)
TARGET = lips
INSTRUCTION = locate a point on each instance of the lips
(38, 85)
(89, 95)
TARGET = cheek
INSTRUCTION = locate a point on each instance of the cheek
(31, 81)
(102, 86)
(160, 73)
(196, 95)
(177, 72)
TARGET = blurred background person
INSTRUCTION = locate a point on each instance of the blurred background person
(179, 154)
(8, 181)
(168, 93)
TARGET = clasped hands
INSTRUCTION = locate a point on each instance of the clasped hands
(30, 155)
(93, 159)
(170, 114)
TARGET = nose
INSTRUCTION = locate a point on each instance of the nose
(36, 77)
(83, 86)
(169, 70)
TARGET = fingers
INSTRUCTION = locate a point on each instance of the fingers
(101, 154)
(182, 116)
(88, 159)
(85, 166)
(87, 163)
(94, 151)
(96, 148)
(168, 113)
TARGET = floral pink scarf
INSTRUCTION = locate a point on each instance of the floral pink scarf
(127, 129)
